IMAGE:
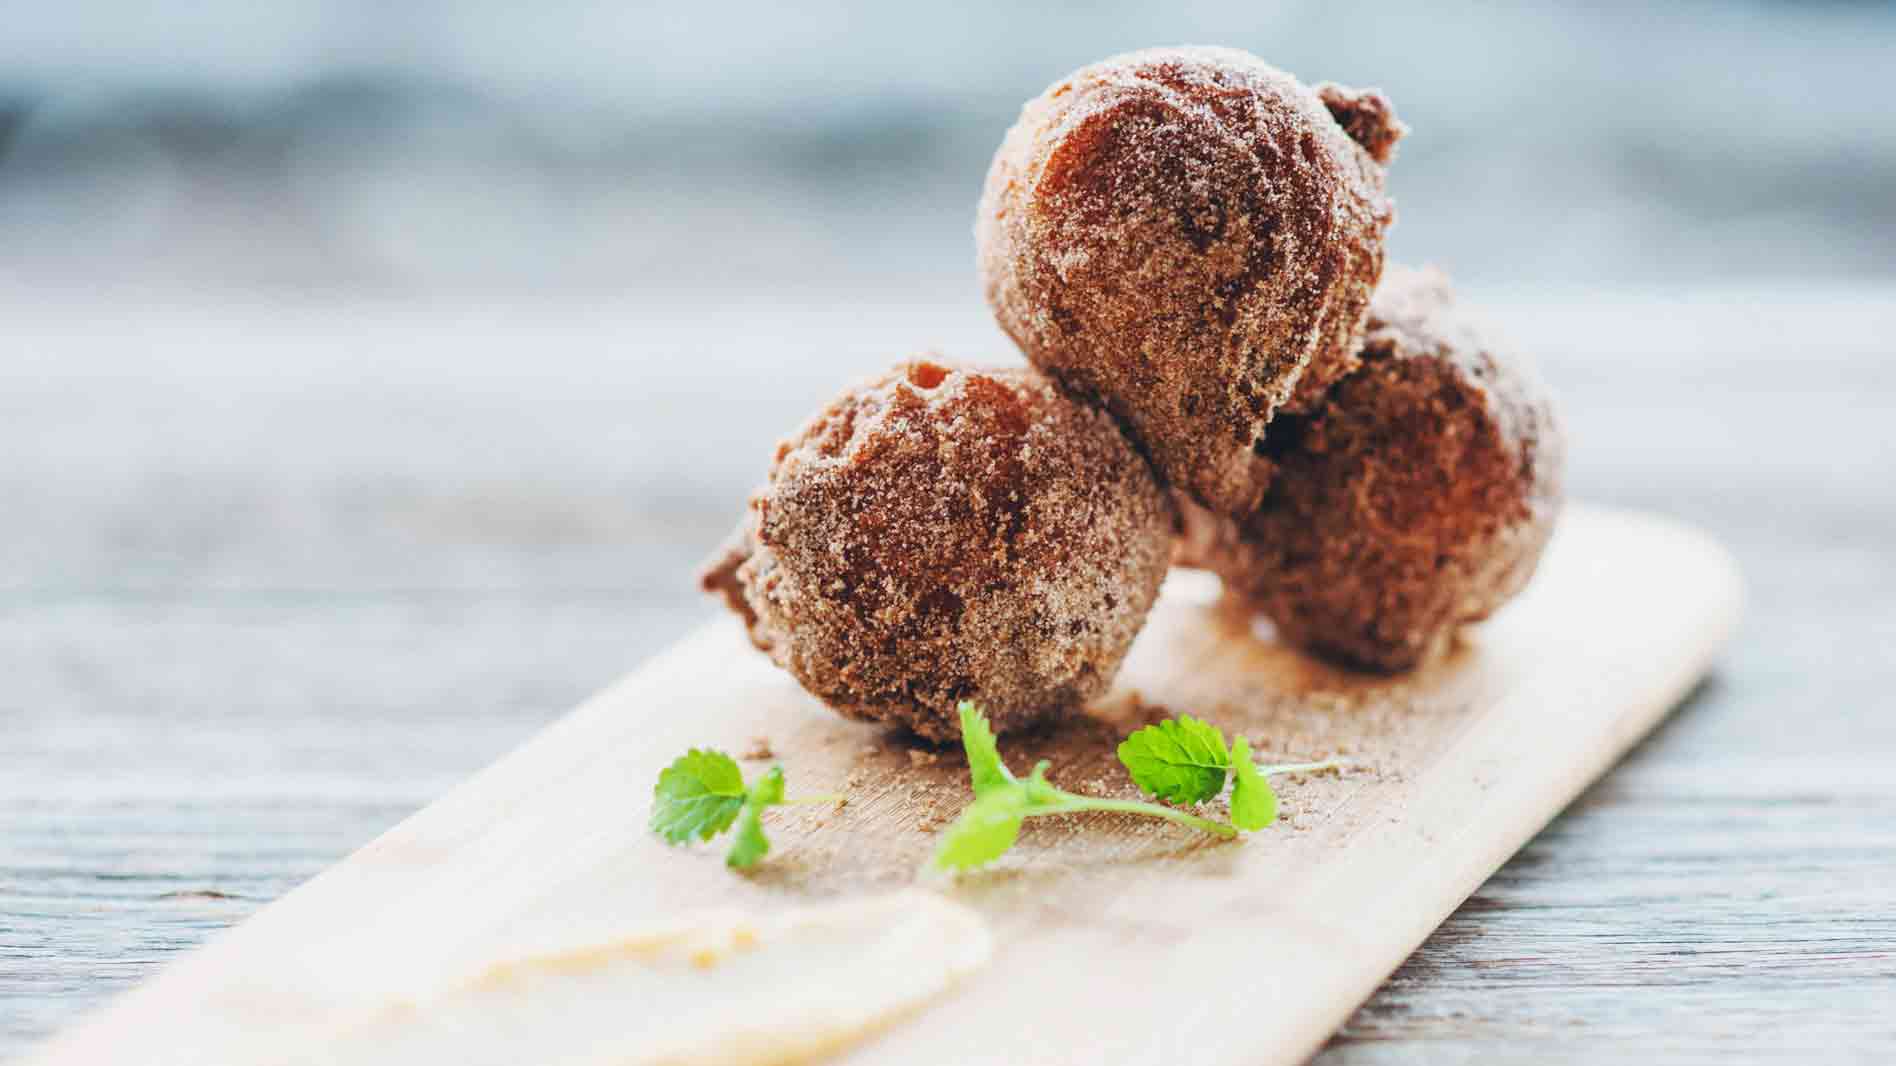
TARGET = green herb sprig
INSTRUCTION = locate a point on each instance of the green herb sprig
(989, 826)
(702, 794)
(1184, 760)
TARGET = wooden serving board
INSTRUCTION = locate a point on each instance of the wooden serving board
(1114, 938)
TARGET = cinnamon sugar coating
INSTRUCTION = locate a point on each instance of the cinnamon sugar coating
(1417, 496)
(1190, 237)
(940, 534)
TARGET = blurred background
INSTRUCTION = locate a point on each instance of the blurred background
(373, 375)
(623, 150)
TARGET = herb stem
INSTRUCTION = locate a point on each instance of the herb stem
(811, 801)
(1071, 804)
(1302, 767)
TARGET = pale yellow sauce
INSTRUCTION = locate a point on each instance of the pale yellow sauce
(720, 986)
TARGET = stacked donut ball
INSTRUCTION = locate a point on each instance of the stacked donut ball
(1187, 244)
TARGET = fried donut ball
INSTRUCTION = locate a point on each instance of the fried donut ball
(1417, 495)
(1185, 235)
(938, 535)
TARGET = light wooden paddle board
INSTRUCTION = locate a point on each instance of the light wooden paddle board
(1099, 939)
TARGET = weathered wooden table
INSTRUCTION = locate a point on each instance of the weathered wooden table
(272, 577)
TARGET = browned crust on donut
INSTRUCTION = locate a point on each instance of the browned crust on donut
(1182, 234)
(719, 578)
(940, 534)
(1417, 497)
(1367, 116)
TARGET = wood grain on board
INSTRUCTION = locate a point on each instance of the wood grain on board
(1118, 937)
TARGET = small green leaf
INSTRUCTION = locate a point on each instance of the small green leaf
(984, 757)
(1182, 760)
(1253, 801)
(984, 831)
(750, 844)
(698, 795)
